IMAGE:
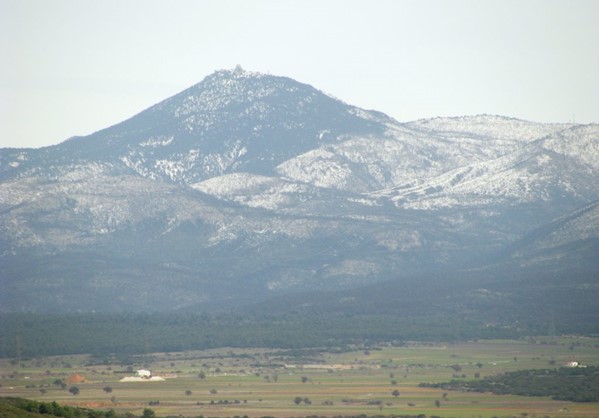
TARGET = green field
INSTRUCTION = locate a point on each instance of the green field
(283, 383)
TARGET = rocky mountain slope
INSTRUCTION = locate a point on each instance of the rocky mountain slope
(248, 186)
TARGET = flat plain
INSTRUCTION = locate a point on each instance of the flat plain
(371, 380)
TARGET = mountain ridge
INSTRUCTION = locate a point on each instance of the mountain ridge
(248, 186)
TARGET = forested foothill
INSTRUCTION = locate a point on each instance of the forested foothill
(36, 335)
(449, 307)
(33, 335)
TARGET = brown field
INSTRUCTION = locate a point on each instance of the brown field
(265, 382)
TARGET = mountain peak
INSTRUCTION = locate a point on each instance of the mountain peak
(240, 72)
(236, 90)
(236, 73)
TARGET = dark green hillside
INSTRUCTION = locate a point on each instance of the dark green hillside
(476, 303)
(32, 335)
(456, 308)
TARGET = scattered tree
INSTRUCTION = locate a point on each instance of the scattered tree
(188, 392)
(149, 413)
(395, 393)
(107, 389)
(74, 390)
(298, 400)
(61, 383)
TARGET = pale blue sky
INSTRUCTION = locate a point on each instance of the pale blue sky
(72, 67)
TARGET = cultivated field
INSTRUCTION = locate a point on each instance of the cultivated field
(380, 380)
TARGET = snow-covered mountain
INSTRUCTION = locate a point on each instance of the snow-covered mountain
(249, 185)
(560, 166)
(231, 121)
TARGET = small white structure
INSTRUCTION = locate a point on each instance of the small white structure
(572, 364)
(143, 376)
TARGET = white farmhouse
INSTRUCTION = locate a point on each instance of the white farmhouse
(572, 364)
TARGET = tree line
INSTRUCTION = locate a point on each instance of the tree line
(576, 384)
(34, 335)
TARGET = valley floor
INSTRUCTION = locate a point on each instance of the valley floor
(377, 380)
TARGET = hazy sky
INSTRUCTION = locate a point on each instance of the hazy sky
(72, 67)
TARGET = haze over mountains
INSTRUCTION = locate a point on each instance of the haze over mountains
(248, 187)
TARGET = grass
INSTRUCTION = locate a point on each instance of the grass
(266, 382)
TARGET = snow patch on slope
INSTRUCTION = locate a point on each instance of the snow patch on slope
(489, 126)
(319, 167)
(255, 190)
